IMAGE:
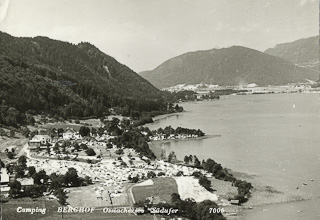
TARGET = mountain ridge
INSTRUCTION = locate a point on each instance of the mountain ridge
(304, 52)
(226, 66)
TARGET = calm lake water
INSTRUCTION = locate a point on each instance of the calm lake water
(274, 137)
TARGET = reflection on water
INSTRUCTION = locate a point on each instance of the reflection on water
(162, 149)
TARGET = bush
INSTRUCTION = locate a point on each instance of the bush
(135, 179)
(161, 174)
(151, 174)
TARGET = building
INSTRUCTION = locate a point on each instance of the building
(26, 181)
(39, 141)
(5, 179)
(235, 202)
(71, 134)
(68, 135)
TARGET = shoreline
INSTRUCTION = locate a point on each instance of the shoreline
(262, 195)
(184, 139)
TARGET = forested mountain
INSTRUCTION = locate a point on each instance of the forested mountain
(59, 78)
(228, 66)
(304, 52)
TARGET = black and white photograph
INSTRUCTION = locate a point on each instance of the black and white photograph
(159, 110)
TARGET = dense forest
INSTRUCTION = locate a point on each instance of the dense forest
(41, 75)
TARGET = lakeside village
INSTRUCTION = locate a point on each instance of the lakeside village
(109, 165)
(204, 91)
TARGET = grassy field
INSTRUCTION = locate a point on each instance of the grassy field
(223, 188)
(162, 187)
(86, 197)
(89, 123)
(16, 142)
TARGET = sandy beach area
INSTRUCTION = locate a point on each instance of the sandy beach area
(189, 187)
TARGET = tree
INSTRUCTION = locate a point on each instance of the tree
(151, 174)
(90, 152)
(61, 195)
(196, 161)
(12, 133)
(186, 159)
(2, 132)
(22, 161)
(60, 131)
(2, 165)
(40, 177)
(72, 177)
(197, 174)
(48, 149)
(10, 167)
(135, 179)
(76, 146)
(62, 180)
(93, 131)
(10, 155)
(83, 146)
(84, 131)
(175, 198)
(56, 148)
(31, 171)
(87, 180)
(15, 188)
(179, 173)
(171, 157)
(241, 198)
(19, 169)
(161, 174)
(25, 132)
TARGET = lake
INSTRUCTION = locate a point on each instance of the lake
(272, 137)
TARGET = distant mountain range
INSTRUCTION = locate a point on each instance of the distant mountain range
(44, 75)
(304, 52)
(228, 66)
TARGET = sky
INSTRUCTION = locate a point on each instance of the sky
(142, 34)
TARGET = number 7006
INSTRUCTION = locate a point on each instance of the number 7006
(216, 210)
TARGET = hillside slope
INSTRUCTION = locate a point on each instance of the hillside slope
(44, 75)
(228, 66)
(304, 52)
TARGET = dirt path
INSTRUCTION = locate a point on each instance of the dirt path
(23, 150)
